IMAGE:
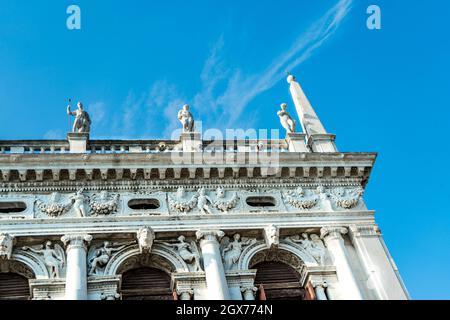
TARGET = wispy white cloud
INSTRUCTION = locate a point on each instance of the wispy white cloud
(163, 101)
(54, 135)
(243, 88)
(225, 92)
(97, 111)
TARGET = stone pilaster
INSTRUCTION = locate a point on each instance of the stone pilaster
(76, 275)
(382, 273)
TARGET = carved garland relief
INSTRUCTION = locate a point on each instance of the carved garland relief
(197, 202)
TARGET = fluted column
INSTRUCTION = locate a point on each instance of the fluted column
(76, 276)
(216, 281)
(335, 244)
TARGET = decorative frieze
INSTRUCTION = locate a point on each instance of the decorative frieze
(298, 199)
(104, 204)
(182, 203)
(53, 208)
(346, 199)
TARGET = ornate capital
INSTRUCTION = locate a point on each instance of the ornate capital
(110, 296)
(209, 235)
(328, 233)
(252, 289)
(72, 241)
(6, 245)
(322, 284)
(365, 230)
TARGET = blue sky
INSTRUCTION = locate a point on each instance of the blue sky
(134, 63)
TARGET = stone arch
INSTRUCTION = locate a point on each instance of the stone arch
(34, 264)
(287, 252)
(160, 257)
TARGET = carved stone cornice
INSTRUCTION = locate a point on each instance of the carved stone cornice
(124, 185)
(117, 166)
(76, 241)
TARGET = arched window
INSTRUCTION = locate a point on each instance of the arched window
(14, 287)
(278, 281)
(146, 283)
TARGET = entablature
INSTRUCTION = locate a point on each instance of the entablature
(183, 165)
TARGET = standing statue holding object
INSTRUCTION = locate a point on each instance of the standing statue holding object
(82, 123)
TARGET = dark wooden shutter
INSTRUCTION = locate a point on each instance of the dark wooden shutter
(279, 281)
(14, 287)
(146, 284)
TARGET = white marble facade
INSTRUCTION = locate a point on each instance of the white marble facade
(72, 221)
